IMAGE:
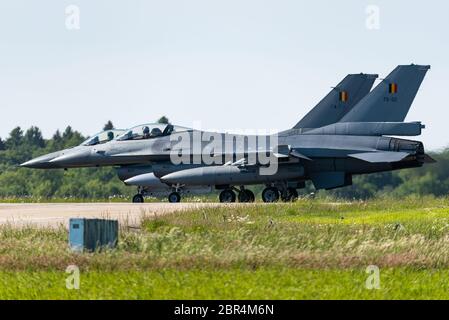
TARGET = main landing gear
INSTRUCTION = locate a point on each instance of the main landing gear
(244, 195)
(289, 195)
(227, 196)
(272, 194)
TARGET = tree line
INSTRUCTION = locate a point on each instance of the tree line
(92, 183)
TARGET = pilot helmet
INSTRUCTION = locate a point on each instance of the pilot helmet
(156, 132)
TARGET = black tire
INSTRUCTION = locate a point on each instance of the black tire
(174, 197)
(246, 196)
(138, 198)
(251, 195)
(270, 194)
(227, 196)
(294, 194)
(290, 195)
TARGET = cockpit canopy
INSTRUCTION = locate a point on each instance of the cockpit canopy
(103, 137)
(149, 131)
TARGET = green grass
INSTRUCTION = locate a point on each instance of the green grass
(312, 249)
(264, 283)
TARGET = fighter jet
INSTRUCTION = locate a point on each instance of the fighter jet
(330, 155)
(330, 145)
(340, 100)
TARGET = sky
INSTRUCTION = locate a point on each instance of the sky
(221, 65)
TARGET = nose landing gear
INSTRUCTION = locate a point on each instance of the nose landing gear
(174, 197)
(138, 198)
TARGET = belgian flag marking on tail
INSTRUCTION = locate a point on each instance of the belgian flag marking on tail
(343, 96)
(393, 88)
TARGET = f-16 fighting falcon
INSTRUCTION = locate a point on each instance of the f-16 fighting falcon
(347, 133)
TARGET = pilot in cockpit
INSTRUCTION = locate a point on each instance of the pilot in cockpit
(146, 132)
(94, 141)
(156, 132)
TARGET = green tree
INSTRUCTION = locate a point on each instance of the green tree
(57, 136)
(2, 145)
(33, 137)
(68, 133)
(71, 138)
(163, 120)
(108, 126)
(15, 138)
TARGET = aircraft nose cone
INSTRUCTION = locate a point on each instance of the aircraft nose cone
(42, 162)
(34, 164)
(73, 158)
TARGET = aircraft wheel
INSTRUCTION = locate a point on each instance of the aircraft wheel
(174, 197)
(246, 196)
(252, 197)
(290, 195)
(138, 198)
(270, 194)
(227, 196)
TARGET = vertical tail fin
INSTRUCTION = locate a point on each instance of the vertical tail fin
(339, 101)
(391, 100)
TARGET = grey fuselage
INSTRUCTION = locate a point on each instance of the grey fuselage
(329, 153)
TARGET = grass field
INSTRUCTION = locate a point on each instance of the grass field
(312, 249)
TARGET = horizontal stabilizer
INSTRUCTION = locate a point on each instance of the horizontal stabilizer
(378, 157)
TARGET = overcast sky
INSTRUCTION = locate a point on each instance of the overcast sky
(224, 65)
